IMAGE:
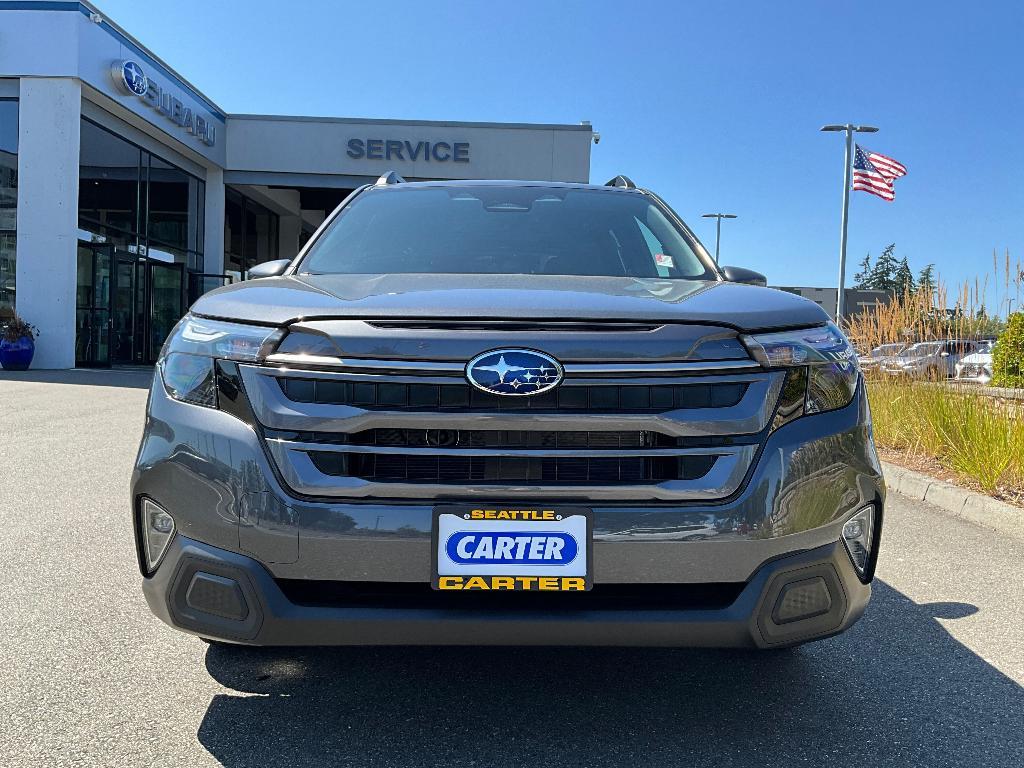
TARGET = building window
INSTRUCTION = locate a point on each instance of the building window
(8, 204)
(141, 220)
(137, 201)
(174, 223)
(250, 234)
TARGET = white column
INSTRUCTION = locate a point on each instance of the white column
(49, 115)
(213, 237)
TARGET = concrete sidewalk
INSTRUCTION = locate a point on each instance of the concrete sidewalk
(955, 501)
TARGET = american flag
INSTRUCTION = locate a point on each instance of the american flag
(875, 173)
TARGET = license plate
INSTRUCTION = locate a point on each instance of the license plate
(512, 548)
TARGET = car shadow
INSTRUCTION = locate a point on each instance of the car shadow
(896, 689)
(132, 377)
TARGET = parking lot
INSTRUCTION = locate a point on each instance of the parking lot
(931, 676)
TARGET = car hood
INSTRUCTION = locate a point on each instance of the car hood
(282, 300)
(978, 358)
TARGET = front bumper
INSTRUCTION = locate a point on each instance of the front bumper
(254, 539)
(226, 596)
(973, 374)
(208, 470)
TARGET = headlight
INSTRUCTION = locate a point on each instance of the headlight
(825, 353)
(186, 362)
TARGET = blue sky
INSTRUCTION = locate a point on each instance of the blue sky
(716, 106)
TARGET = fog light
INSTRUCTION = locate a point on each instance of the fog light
(157, 532)
(857, 538)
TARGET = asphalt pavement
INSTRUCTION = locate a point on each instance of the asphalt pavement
(931, 676)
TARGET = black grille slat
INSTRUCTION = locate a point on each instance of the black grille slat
(425, 397)
(497, 470)
(389, 437)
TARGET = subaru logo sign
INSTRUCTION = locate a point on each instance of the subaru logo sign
(514, 372)
(133, 78)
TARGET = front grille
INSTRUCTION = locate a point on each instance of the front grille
(607, 433)
(462, 397)
(504, 470)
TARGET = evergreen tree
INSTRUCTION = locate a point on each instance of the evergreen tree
(904, 278)
(883, 274)
(926, 279)
(860, 280)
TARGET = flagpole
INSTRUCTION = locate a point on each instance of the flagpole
(840, 303)
(849, 129)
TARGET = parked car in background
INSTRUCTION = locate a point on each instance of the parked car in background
(977, 366)
(933, 360)
(882, 354)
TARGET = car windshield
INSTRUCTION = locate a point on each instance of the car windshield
(886, 350)
(921, 350)
(493, 229)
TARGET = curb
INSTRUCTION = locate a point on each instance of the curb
(953, 501)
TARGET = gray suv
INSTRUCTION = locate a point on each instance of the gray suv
(507, 413)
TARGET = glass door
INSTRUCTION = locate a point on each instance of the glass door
(127, 318)
(166, 283)
(92, 304)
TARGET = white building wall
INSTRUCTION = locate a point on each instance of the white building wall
(293, 145)
(47, 266)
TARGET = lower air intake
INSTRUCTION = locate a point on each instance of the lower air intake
(384, 468)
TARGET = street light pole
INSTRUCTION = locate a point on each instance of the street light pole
(849, 129)
(718, 227)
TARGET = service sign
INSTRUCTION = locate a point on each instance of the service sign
(512, 548)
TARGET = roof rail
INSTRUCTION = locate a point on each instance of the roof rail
(621, 181)
(389, 178)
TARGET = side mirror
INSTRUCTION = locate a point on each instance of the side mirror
(268, 269)
(741, 275)
(944, 354)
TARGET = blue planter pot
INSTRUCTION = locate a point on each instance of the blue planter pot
(16, 355)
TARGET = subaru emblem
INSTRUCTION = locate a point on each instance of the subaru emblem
(514, 372)
(129, 75)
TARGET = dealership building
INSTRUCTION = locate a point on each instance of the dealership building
(125, 193)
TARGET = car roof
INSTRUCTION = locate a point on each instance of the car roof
(948, 341)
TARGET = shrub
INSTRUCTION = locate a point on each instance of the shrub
(978, 437)
(16, 328)
(1008, 356)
